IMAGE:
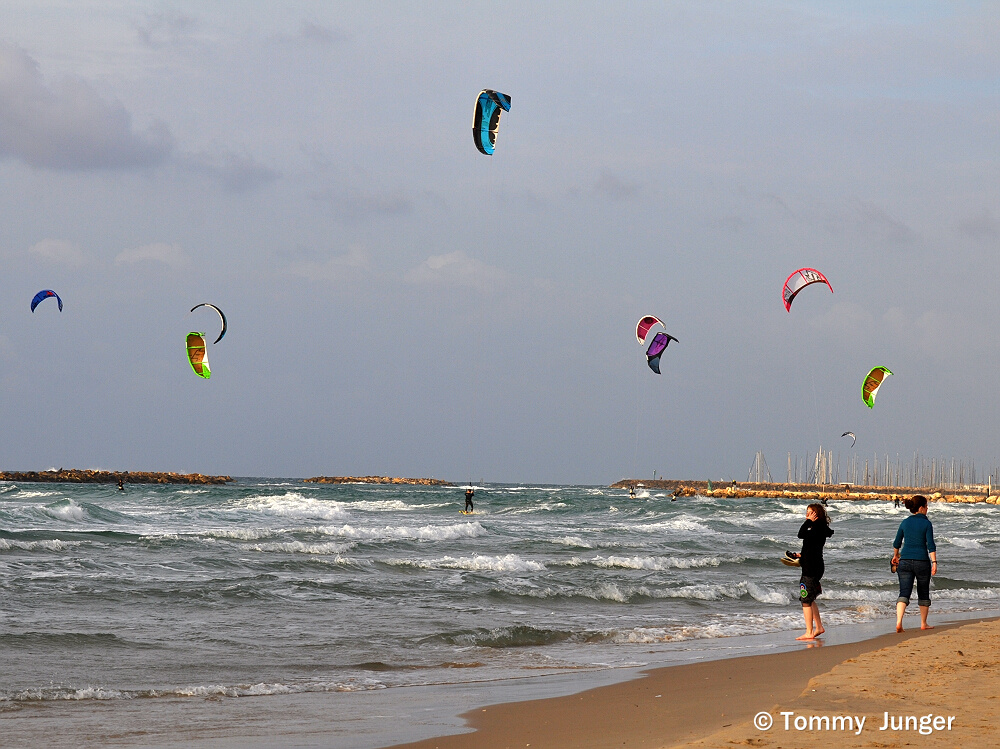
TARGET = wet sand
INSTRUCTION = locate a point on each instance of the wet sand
(953, 670)
(948, 671)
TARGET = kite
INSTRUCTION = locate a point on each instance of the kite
(871, 385)
(487, 119)
(198, 355)
(656, 349)
(221, 314)
(799, 280)
(851, 435)
(45, 294)
(642, 329)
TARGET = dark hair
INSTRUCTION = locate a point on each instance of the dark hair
(820, 510)
(915, 503)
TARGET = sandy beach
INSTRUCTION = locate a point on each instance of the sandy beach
(714, 704)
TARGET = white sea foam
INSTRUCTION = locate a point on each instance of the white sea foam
(66, 510)
(53, 544)
(294, 505)
(392, 505)
(297, 547)
(683, 524)
(571, 541)
(261, 689)
(32, 493)
(964, 543)
(477, 563)
(402, 532)
(659, 563)
(238, 534)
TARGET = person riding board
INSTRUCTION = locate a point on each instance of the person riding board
(469, 494)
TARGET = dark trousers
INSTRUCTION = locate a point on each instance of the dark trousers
(910, 570)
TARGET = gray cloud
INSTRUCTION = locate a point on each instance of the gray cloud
(322, 35)
(159, 252)
(352, 204)
(162, 29)
(611, 186)
(237, 173)
(980, 225)
(68, 126)
(875, 218)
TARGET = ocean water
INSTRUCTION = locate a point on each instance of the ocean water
(270, 587)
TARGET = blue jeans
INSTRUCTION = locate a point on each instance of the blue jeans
(920, 570)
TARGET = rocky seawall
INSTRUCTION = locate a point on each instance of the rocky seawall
(375, 480)
(812, 492)
(74, 476)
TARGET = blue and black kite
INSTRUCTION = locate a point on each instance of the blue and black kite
(487, 119)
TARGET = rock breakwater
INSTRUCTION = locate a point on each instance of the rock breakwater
(75, 476)
(375, 480)
(811, 492)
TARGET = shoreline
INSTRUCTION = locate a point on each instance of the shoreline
(818, 492)
(705, 703)
(712, 703)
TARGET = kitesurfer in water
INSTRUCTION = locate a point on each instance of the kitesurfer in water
(814, 532)
(121, 486)
(631, 492)
(469, 494)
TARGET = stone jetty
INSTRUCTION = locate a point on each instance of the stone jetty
(810, 492)
(76, 476)
(375, 480)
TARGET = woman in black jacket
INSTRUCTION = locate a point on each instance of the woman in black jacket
(814, 532)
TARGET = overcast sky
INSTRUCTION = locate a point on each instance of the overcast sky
(400, 304)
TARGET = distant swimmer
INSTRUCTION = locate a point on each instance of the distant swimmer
(469, 494)
(121, 486)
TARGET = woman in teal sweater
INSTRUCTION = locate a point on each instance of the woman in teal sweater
(917, 560)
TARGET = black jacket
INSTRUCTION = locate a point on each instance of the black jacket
(813, 534)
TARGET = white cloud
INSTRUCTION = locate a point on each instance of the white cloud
(456, 269)
(68, 125)
(338, 268)
(59, 251)
(158, 252)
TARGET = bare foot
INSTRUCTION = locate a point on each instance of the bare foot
(819, 632)
(899, 628)
(926, 626)
(806, 636)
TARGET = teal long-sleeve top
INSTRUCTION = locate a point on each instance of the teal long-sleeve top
(916, 536)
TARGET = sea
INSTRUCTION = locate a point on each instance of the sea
(265, 588)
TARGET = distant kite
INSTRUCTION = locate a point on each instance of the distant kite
(486, 121)
(221, 314)
(799, 280)
(656, 349)
(45, 294)
(851, 435)
(659, 343)
(643, 327)
(198, 355)
(871, 385)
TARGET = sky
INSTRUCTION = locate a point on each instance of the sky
(400, 304)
